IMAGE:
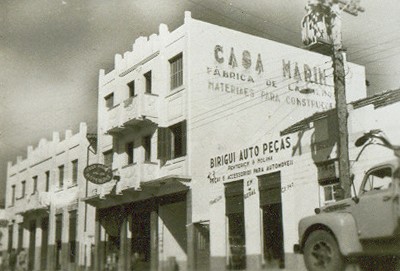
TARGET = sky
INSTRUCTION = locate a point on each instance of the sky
(51, 52)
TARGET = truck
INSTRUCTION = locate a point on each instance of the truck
(365, 228)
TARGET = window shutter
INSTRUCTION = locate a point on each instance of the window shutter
(161, 143)
(184, 141)
(168, 144)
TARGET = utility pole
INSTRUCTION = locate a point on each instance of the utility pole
(324, 23)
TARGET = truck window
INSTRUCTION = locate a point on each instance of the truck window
(378, 179)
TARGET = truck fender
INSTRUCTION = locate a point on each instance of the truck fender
(341, 225)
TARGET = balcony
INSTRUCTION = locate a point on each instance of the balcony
(133, 175)
(134, 111)
(35, 203)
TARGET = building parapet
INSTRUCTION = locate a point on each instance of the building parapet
(46, 149)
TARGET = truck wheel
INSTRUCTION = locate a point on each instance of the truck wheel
(321, 252)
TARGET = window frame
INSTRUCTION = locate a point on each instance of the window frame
(148, 82)
(131, 88)
(23, 189)
(75, 169)
(176, 71)
(147, 148)
(47, 180)
(35, 184)
(61, 176)
(130, 152)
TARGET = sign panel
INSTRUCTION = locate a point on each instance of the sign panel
(98, 173)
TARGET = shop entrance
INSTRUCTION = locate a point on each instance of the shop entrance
(272, 228)
(234, 208)
(202, 246)
(140, 242)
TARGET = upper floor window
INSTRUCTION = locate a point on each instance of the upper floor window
(12, 195)
(131, 86)
(108, 158)
(172, 141)
(129, 152)
(147, 148)
(74, 171)
(23, 189)
(176, 69)
(35, 182)
(61, 176)
(47, 181)
(109, 100)
(148, 84)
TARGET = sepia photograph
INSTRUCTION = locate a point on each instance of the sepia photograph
(200, 135)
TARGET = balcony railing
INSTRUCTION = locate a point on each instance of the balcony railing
(132, 175)
(133, 111)
(40, 201)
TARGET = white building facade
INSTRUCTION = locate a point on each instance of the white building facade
(190, 121)
(47, 221)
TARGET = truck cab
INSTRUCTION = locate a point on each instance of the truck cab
(364, 225)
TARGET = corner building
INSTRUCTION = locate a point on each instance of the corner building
(46, 220)
(190, 123)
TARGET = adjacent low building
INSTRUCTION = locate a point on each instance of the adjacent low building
(190, 122)
(47, 221)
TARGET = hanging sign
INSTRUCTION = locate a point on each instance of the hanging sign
(98, 173)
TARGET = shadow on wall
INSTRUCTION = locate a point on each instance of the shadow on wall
(173, 216)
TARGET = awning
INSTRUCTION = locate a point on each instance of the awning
(168, 185)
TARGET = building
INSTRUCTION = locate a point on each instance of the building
(47, 224)
(3, 233)
(190, 121)
(320, 130)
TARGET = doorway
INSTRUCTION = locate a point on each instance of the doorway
(202, 246)
(272, 223)
(141, 241)
(32, 240)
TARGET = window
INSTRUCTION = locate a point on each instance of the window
(74, 171)
(72, 236)
(176, 68)
(147, 148)
(378, 179)
(172, 141)
(109, 99)
(129, 152)
(47, 180)
(331, 192)
(35, 181)
(23, 189)
(147, 76)
(108, 158)
(12, 195)
(61, 176)
(178, 141)
(131, 86)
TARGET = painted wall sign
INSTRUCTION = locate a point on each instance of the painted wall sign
(98, 173)
(243, 74)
